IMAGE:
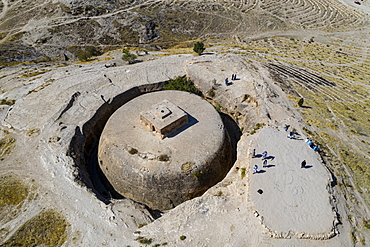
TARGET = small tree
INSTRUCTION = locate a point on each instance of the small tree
(182, 83)
(127, 56)
(300, 102)
(199, 47)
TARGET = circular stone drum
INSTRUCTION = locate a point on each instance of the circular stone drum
(163, 148)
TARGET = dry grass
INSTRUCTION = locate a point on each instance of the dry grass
(12, 191)
(6, 146)
(49, 228)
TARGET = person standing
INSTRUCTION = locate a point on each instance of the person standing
(303, 164)
(264, 163)
(264, 155)
(291, 135)
(255, 169)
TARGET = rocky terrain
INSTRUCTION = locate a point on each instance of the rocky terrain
(37, 31)
(53, 110)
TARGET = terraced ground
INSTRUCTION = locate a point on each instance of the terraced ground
(333, 79)
(31, 30)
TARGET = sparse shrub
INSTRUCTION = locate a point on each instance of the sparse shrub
(219, 193)
(143, 240)
(217, 106)
(133, 151)
(127, 56)
(242, 172)
(182, 237)
(187, 167)
(197, 174)
(182, 83)
(140, 225)
(257, 127)
(7, 101)
(211, 93)
(6, 146)
(366, 224)
(199, 47)
(163, 157)
(300, 102)
(33, 132)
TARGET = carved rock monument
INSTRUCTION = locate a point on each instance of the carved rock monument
(163, 148)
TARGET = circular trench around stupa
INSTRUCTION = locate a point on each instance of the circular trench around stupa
(163, 148)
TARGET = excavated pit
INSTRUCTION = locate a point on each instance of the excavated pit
(83, 147)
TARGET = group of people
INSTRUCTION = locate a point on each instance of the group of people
(291, 133)
(264, 161)
(308, 141)
(291, 136)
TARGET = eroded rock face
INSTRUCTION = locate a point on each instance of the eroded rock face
(163, 173)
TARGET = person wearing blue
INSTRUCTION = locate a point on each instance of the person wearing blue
(264, 155)
(309, 142)
(264, 163)
(291, 135)
(255, 169)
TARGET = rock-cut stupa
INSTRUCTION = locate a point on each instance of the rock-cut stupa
(163, 148)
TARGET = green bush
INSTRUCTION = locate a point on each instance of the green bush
(85, 55)
(197, 174)
(199, 47)
(127, 56)
(182, 83)
(242, 172)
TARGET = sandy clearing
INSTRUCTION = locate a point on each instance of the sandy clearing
(294, 198)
